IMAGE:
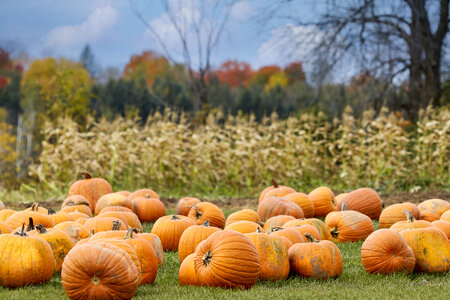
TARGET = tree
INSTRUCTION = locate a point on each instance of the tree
(394, 39)
(10, 75)
(234, 73)
(148, 66)
(87, 59)
(263, 75)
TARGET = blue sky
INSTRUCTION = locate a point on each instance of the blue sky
(62, 28)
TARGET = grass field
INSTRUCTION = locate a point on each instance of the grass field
(354, 283)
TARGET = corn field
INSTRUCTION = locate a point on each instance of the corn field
(238, 156)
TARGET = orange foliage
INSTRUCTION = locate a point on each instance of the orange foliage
(264, 73)
(234, 73)
(148, 65)
(294, 72)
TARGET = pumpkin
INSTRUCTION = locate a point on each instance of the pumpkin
(385, 251)
(338, 199)
(184, 205)
(130, 217)
(304, 229)
(99, 271)
(115, 208)
(290, 233)
(148, 209)
(25, 260)
(116, 215)
(207, 211)
(244, 227)
(37, 208)
(442, 225)
(59, 217)
(243, 215)
(410, 223)
(275, 190)
(365, 201)
(273, 257)
(317, 259)
(192, 236)
(82, 220)
(431, 249)
(302, 200)
(125, 193)
(348, 226)
(113, 199)
(445, 216)
(317, 223)
(18, 218)
(394, 213)
(5, 214)
(170, 228)
(143, 193)
(58, 240)
(277, 221)
(155, 241)
(146, 254)
(76, 215)
(100, 223)
(90, 188)
(323, 200)
(74, 230)
(4, 228)
(186, 274)
(80, 206)
(115, 232)
(71, 200)
(219, 262)
(274, 206)
(431, 210)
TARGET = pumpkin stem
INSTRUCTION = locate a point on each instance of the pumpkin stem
(41, 229)
(344, 206)
(310, 238)
(275, 183)
(130, 231)
(409, 216)
(277, 228)
(30, 224)
(334, 232)
(51, 211)
(86, 175)
(116, 225)
(71, 203)
(35, 206)
(147, 196)
(198, 214)
(258, 230)
(174, 217)
(206, 223)
(92, 232)
(207, 258)
(21, 232)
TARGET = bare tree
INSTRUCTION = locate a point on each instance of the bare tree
(198, 36)
(398, 39)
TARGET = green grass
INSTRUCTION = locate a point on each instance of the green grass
(354, 283)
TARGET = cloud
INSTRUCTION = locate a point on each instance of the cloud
(241, 11)
(66, 36)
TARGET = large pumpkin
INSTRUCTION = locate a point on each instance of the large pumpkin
(192, 236)
(432, 210)
(148, 209)
(204, 211)
(170, 228)
(219, 262)
(365, 201)
(272, 253)
(348, 226)
(323, 200)
(302, 200)
(274, 206)
(394, 213)
(184, 205)
(90, 188)
(24, 260)
(17, 219)
(275, 190)
(99, 271)
(385, 252)
(319, 260)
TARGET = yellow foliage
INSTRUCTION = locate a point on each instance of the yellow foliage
(279, 79)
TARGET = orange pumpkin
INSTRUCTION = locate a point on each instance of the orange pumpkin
(365, 201)
(79, 206)
(155, 241)
(277, 221)
(432, 210)
(274, 206)
(243, 215)
(148, 209)
(317, 223)
(5, 214)
(143, 193)
(445, 216)
(4, 228)
(348, 226)
(244, 227)
(275, 190)
(113, 199)
(74, 230)
(323, 200)
(410, 223)
(442, 225)
(100, 223)
(37, 208)
(394, 213)
(192, 236)
(60, 217)
(170, 228)
(18, 218)
(290, 233)
(184, 205)
(90, 188)
(304, 229)
(186, 274)
(204, 211)
(302, 200)
(115, 208)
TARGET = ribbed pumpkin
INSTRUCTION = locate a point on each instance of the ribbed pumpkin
(431, 249)
(80, 206)
(130, 217)
(385, 252)
(273, 257)
(24, 260)
(186, 274)
(146, 254)
(317, 223)
(170, 228)
(4, 228)
(99, 271)
(17, 219)
(100, 223)
(432, 210)
(275, 206)
(5, 214)
(148, 209)
(277, 221)
(90, 188)
(319, 260)
(365, 201)
(116, 215)
(58, 240)
(323, 200)
(207, 211)
(74, 230)
(290, 233)
(304, 229)
(115, 232)
(37, 208)
(394, 213)
(410, 223)
(115, 208)
(192, 236)
(113, 199)
(445, 216)
(243, 215)
(76, 215)
(219, 262)
(348, 226)
(244, 227)
(338, 199)
(302, 200)
(442, 225)
(275, 190)
(71, 200)
(143, 193)
(60, 217)
(184, 205)
(156, 243)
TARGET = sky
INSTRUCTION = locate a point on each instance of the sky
(114, 32)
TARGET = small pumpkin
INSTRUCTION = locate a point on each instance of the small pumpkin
(18, 218)
(302, 200)
(60, 216)
(410, 223)
(394, 213)
(432, 210)
(304, 229)
(244, 227)
(323, 200)
(5, 214)
(317, 223)
(37, 208)
(275, 190)
(90, 188)
(243, 215)
(207, 211)
(192, 236)
(113, 199)
(115, 208)
(348, 226)
(277, 221)
(274, 206)
(290, 233)
(365, 201)
(78, 206)
(143, 193)
(170, 228)
(184, 205)
(148, 209)
(100, 223)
